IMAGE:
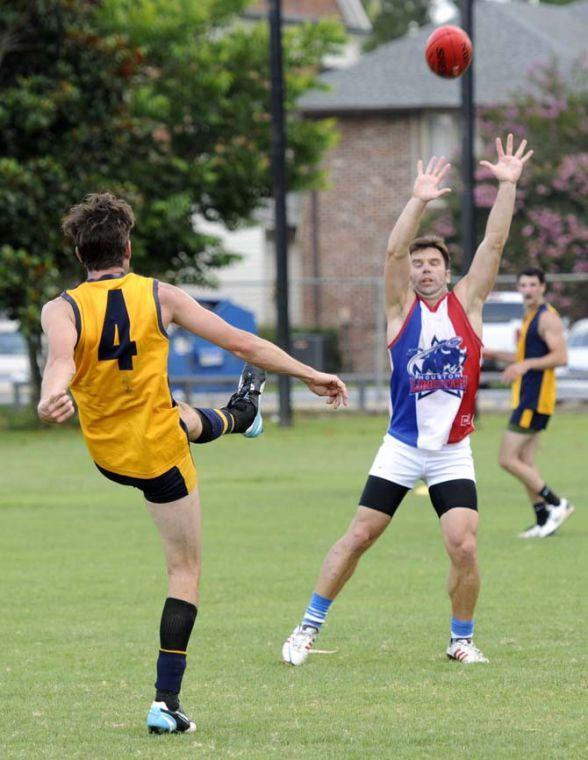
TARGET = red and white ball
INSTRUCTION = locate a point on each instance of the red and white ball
(448, 51)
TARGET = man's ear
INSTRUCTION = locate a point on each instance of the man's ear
(77, 253)
(128, 250)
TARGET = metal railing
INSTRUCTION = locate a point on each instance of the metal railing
(366, 393)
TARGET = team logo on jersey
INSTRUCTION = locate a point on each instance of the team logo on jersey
(438, 368)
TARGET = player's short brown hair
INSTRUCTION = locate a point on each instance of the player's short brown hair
(431, 241)
(100, 227)
(532, 272)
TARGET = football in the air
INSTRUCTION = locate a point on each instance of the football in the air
(448, 51)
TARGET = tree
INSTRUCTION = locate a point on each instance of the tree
(62, 116)
(550, 227)
(205, 92)
(166, 103)
(392, 19)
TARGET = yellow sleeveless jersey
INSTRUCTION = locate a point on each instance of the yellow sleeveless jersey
(536, 390)
(128, 417)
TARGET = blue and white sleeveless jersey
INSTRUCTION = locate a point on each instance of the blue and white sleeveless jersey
(435, 360)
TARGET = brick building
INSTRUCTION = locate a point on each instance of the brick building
(391, 110)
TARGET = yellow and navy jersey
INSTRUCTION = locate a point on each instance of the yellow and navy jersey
(129, 419)
(536, 389)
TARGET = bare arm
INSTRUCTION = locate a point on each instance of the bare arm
(179, 307)
(473, 289)
(501, 356)
(552, 331)
(397, 268)
(59, 326)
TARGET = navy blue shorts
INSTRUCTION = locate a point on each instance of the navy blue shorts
(172, 485)
(527, 421)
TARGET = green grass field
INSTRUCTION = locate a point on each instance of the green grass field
(83, 585)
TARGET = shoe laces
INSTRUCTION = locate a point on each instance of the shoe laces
(304, 636)
(239, 397)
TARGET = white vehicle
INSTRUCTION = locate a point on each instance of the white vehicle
(502, 317)
(14, 359)
(577, 349)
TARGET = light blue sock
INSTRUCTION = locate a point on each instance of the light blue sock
(316, 612)
(462, 629)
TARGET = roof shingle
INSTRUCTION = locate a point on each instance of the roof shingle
(350, 12)
(509, 40)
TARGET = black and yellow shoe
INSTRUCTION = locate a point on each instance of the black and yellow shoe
(244, 404)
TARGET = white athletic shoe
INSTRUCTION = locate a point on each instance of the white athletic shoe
(298, 645)
(557, 517)
(464, 650)
(533, 532)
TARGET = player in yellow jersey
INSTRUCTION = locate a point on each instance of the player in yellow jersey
(541, 348)
(107, 342)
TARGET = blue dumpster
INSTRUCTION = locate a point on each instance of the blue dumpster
(190, 355)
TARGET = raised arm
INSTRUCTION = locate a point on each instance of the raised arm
(551, 329)
(58, 324)
(473, 289)
(177, 306)
(397, 268)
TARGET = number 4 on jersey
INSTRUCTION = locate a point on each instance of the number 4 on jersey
(117, 326)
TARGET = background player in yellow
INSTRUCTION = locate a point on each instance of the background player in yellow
(541, 348)
(107, 341)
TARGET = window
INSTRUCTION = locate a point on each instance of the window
(441, 135)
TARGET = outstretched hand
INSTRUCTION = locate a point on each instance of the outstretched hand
(509, 166)
(330, 386)
(426, 186)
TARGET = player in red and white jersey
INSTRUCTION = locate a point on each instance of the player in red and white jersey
(434, 340)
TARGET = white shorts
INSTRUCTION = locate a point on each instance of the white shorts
(406, 465)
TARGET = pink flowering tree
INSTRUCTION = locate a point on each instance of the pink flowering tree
(550, 227)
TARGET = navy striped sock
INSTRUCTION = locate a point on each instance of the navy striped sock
(177, 621)
(215, 422)
(316, 612)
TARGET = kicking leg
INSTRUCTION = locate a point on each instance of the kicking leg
(241, 414)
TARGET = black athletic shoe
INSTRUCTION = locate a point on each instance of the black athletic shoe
(244, 404)
(161, 720)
